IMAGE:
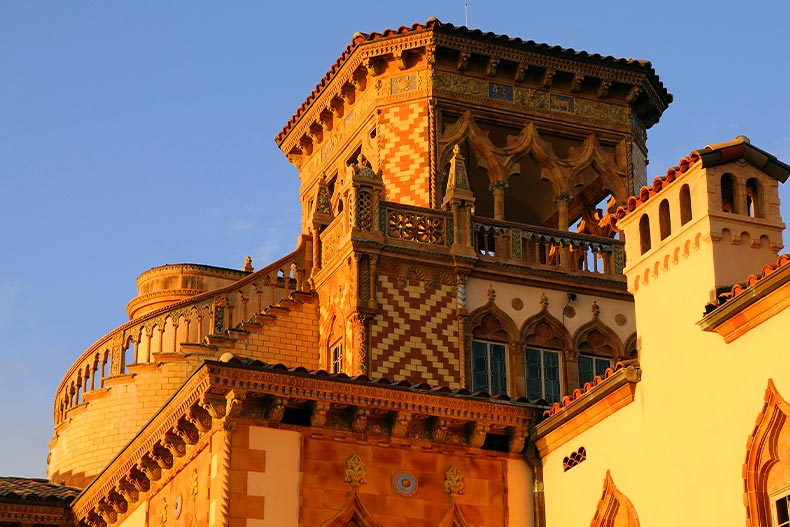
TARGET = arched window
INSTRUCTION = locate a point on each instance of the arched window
(599, 349)
(664, 221)
(728, 193)
(545, 339)
(492, 331)
(644, 233)
(754, 202)
(685, 204)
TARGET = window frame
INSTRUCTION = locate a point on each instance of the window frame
(489, 370)
(336, 357)
(595, 370)
(543, 376)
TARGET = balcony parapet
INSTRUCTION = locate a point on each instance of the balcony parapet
(540, 247)
(160, 333)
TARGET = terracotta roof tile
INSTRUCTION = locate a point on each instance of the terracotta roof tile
(434, 23)
(588, 387)
(751, 280)
(35, 489)
(364, 379)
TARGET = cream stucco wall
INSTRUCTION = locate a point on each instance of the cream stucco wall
(677, 452)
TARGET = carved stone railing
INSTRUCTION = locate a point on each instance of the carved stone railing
(333, 237)
(151, 337)
(548, 248)
(416, 224)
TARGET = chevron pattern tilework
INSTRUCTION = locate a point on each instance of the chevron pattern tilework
(404, 156)
(415, 336)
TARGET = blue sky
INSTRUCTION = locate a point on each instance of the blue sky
(134, 134)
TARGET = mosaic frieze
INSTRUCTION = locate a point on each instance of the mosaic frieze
(532, 99)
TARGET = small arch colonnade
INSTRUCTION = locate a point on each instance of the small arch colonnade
(544, 332)
(167, 332)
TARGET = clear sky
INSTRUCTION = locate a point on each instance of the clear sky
(139, 133)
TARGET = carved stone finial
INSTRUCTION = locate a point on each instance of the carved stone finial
(453, 481)
(544, 301)
(491, 293)
(457, 178)
(596, 310)
(355, 471)
(248, 265)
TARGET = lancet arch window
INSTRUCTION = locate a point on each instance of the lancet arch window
(491, 337)
(545, 339)
(685, 204)
(644, 233)
(728, 193)
(754, 203)
(664, 220)
(599, 348)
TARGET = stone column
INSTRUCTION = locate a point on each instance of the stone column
(498, 189)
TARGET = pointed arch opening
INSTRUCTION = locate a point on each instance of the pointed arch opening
(614, 508)
(728, 193)
(545, 339)
(754, 199)
(492, 333)
(599, 349)
(767, 462)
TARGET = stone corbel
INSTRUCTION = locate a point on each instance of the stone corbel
(359, 422)
(276, 410)
(430, 58)
(477, 435)
(316, 133)
(401, 58)
(186, 432)
(463, 60)
(94, 519)
(336, 107)
(548, 77)
(439, 430)
(199, 417)
(117, 502)
(318, 417)
(576, 83)
(306, 144)
(139, 480)
(127, 490)
(161, 456)
(400, 424)
(521, 72)
(149, 468)
(234, 401)
(493, 64)
(372, 66)
(633, 94)
(106, 512)
(348, 94)
(325, 121)
(174, 444)
(516, 441)
(215, 406)
(603, 88)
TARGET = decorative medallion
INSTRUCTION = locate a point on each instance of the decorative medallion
(517, 304)
(404, 483)
(620, 319)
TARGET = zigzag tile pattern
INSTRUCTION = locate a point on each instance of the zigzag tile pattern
(415, 336)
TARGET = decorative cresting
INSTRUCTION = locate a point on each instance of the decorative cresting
(762, 454)
(150, 338)
(502, 162)
(353, 512)
(614, 508)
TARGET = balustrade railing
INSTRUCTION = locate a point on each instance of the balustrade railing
(147, 338)
(333, 237)
(541, 247)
